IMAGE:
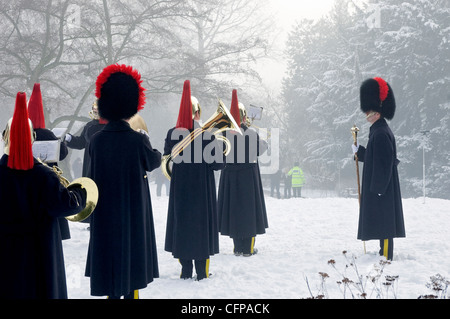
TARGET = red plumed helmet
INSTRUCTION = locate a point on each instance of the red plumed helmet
(185, 113)
(234, 109)
(36, 108)
(20, 149)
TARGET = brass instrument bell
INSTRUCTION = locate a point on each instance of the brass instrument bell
(220, 121)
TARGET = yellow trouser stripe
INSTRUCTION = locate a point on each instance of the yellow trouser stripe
(136, 294)
(252, 245)
(207, 268)
(385, 248)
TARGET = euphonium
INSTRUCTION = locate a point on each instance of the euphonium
(220, 121)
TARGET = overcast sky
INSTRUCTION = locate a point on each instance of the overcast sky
(287, 12)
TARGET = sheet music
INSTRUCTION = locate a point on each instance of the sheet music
(59, 132)
(47, 151)
(254, 112)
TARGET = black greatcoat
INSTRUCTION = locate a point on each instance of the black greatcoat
(122, 254)
(241, 204)
(191, 231)
(380, 217)
(31, 202)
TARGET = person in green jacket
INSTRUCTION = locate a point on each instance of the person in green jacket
(298, 180)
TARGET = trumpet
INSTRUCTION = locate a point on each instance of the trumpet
(221, 120)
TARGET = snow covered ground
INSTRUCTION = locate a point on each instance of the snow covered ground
(304, 234)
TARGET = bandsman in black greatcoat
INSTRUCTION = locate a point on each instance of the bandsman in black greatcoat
(122, 256)
(31, 200)
(381, 213)
(80, 142)
(191, 230)
(241, 204)
(36, 114)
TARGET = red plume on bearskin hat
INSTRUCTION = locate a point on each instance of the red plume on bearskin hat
(234, 109)
(377, 95)
(119, 92)
(185, 113)
(36, 108)
(20, 148)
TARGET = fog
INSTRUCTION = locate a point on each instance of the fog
(302, 61)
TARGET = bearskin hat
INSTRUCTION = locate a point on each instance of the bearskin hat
(377, 95)
(119, 92)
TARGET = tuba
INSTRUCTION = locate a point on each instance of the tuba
(220, 121)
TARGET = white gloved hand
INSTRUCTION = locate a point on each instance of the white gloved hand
(355, 148)
(68, 138)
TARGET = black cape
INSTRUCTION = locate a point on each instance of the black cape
(241, 204)
(31, 202)
(122, 254)
(191, 230)
(380, 217)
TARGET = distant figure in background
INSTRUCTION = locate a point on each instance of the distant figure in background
(161, 181)
(298, 180)
(287, 184)
(36, 115)
(77, 168)
(275, 179)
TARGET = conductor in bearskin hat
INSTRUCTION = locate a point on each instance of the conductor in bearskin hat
(122, 256)
(32, 199)
(191, 231)
(241, 203)
(381, 212)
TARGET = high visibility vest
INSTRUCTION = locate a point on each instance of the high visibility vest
(297, 177)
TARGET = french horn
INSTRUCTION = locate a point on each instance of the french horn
(220, 121)
(87, 184)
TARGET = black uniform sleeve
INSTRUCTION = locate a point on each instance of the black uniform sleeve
(152, 156)
(60, 200)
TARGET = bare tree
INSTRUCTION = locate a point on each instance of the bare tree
(219, 43)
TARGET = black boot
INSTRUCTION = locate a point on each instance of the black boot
(202, 269)
(387, 248)
(133, 295)
(249, 247)
(186, 268)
